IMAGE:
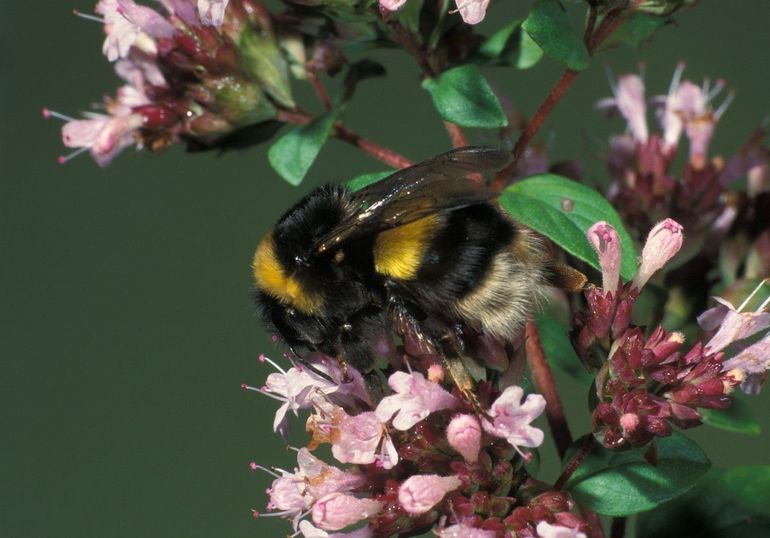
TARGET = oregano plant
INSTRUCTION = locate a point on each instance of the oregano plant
(669, 333)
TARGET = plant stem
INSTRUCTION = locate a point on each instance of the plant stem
(593, 38)
(386, 155)
(574, 463)
(545, 384)
(318, 86)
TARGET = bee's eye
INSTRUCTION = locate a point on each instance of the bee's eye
(291, 312)
(339, 256)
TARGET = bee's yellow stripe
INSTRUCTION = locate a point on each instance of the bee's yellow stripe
(398, 252)
(271, 278)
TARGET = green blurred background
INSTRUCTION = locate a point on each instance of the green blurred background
(126, 316)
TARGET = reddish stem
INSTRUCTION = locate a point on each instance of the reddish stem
(386, 155)
(545, 385)
(318, 86)
(593, 38)
(574, 463)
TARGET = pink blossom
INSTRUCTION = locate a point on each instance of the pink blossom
(420, 493)
(362, 439)
(733, 325)
(464, 435)
(415, 399)
(629, 102)
(297, 388)
(687, 107)
(212, 12)
(309, 530)
(511, 418)
(546, 530)
(105, 136)
(472, 11)
(753, 361)
(338, 510)
(125, 22)
(464, 531)
(663, 242)
(606, 242)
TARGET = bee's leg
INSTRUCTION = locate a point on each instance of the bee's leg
(454, 364)
(346, 378)
(295, 356)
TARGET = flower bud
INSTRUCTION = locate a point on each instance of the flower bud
(606, 241)
(337, 510)
(663, 242)
(420, 493)
(464, 435)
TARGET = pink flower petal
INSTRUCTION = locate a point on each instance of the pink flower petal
(511, 418)
(337, 510)
(663, 242)
(472, 11)
(464, 435)
(212, 12)
(606, 242)
(415, 399)
(420, 493)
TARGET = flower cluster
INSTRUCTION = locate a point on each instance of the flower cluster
(420, 456)
(647, 384)
(192, 73)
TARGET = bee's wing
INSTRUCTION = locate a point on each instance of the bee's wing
(420, 190)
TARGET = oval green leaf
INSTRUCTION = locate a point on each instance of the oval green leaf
(511, 46)
(364, 180)
(725, 504)
(549, 26)
(623, 483)
(462, 95)
(563, 210)
(736, 418)
(293, 154)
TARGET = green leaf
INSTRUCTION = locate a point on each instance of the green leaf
(638, 28)
(563, 210)
(736, 418)
(364, 180)
(549, 26)
(623, 483)
(409, 17)
(462, 95)
(511, 45)
(559, 350)
(725, 504)
(293, 154)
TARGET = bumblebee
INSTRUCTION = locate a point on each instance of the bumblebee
(426, 248)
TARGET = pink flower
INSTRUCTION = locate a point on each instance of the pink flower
(472, 11)
(511, 418)
(362, 439)
(296, 388)
(754, 362)
(337, 510)
(733, 325)
(629, 102)
(125, 22)
(605, 240)
(420, 493)
(546, 530)
(105, 136)
(212, 12)
(687, 107)
(464, 531)
(415, 399)
(663, 242)
(464, 435)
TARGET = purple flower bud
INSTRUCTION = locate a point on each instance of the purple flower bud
(464, 435)
(420, 493)
(606, 242)
(663, 242)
